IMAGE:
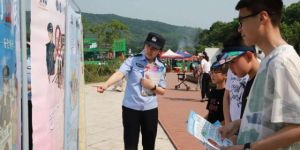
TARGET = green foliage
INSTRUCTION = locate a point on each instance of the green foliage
(191, 51)
(291, 33)
(139, 30)
(85, 27)
(106, 32)
(291, 14)
(99, 32)
(96, 73)
(216, 34)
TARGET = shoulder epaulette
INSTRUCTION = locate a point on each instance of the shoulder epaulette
(137, 55)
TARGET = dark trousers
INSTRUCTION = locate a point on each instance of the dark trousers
(205, 85)
(133, 121)
(30, 125)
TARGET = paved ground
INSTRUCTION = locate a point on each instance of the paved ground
(104, 128)
(174, 108)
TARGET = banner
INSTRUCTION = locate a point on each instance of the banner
(47, 73)
(73, 72)
(10, 76)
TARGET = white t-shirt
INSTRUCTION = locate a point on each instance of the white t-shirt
(274, 99)
(206, 66)
(261, 56)
(236, 87)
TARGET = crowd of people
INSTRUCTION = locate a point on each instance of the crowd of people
(257, 95)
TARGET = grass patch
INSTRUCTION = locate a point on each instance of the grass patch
(97, 79)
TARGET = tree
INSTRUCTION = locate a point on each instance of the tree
(291, 13)
(115, 30)
(217, 25)
(107, 32)
(291, 34)
(85, 26)
(99, 31)
(290, 27)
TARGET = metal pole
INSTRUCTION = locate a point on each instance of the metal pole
(171, 65)
(77, 6)
(25, 142)
(65, 70)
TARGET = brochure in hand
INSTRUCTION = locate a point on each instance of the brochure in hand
(155, 73)
(206, 132)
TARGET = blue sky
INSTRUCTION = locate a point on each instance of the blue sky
(192, 13)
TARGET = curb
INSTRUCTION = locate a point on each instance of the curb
(167, 133)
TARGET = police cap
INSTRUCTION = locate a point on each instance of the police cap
(50, 27)
(155, 40)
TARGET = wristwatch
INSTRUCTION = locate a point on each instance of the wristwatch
(247, 146)
(153, 89)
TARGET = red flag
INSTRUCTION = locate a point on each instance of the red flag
(122, 57)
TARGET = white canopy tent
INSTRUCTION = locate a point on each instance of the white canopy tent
(170, 54)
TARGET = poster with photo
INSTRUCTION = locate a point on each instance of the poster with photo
(10, 76)
(73, 72)
(47, 73)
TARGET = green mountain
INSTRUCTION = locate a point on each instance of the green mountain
(176, 36)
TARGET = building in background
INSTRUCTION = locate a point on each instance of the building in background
(94, 56)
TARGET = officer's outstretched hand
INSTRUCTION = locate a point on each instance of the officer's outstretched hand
(100, 88)
(147, 82)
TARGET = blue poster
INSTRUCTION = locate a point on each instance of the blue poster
(72, 83)
(9, 75)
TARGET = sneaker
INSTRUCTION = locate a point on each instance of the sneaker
(202, 100)
(194, 89)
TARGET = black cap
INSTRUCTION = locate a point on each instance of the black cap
(5, 73)
(155, 40)
(50, 27)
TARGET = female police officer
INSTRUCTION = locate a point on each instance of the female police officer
(140, 112)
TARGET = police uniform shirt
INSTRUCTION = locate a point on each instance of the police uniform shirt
(49, 57)
(134, 67)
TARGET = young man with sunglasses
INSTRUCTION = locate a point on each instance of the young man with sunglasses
(271, 118)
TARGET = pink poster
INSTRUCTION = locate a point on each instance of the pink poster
(47, 73)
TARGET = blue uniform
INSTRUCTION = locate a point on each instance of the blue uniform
(50, 58)
(134, 67)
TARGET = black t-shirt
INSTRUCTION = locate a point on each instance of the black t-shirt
(245, 95)
(215, 105)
